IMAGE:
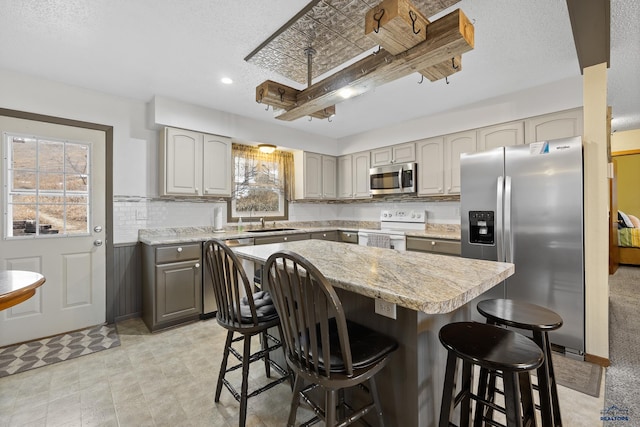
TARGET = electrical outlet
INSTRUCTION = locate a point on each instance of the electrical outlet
(384, 308)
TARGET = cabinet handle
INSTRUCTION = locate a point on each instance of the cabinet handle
(285, 239)
(197, 265)
(179, 250)
(196, 190)
(433, 243)
(440, 190)
(324, 234)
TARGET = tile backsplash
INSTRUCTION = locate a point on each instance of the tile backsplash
(131, 214)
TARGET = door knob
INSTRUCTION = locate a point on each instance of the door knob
(97, 242)
(97, 228)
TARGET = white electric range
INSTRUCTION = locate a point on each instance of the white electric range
(393, 227)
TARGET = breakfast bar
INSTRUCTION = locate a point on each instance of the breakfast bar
(421, 293)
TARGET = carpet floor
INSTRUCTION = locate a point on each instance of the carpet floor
(622, 394)
(34, 354)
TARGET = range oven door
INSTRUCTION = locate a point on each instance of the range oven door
(393, 179)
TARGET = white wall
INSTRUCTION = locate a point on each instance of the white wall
(557, 96)
(168, 112)
(136, 125)
(625, 141)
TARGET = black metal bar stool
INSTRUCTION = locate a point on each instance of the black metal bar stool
(539, 320)
(496, 350)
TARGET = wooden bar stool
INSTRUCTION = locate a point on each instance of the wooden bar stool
(539, 320)
(496, 350)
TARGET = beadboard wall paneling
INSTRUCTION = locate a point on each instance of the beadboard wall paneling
(127, 282)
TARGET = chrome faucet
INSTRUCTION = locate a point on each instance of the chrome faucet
(262, 222)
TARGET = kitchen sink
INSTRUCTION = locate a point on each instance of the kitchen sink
(265, 230)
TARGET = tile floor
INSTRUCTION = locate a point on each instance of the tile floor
(168, 379)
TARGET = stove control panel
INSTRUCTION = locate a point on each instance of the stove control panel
(401, 215)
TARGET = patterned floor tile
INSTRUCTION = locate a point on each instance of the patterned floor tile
(47, 351)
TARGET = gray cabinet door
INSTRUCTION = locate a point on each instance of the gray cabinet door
(178, 290)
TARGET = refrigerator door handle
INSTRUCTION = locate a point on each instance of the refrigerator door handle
(498, 223)
(508, 232)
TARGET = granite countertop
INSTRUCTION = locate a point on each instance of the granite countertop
(418, 281)
(167, 236)
(201, 234)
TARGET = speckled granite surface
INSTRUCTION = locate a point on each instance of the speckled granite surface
(167, 236)
(164, 236)
(422, 282)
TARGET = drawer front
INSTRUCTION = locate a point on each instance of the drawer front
(176, 253)
(348, 236)
(447, 247)
(325, 235)
(281, 239)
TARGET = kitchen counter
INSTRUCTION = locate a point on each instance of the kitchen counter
(430, 291)
(418, 281)
(167, 236)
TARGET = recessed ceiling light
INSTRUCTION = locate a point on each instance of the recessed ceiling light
(226, 80)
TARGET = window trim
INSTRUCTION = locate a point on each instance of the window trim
(255, 216)
(7, 173)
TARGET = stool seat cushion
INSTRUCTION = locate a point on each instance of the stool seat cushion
(519, 314)
(491, 346)
(265, 309)
(367, 346)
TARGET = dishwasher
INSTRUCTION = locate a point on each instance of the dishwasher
(209, 306)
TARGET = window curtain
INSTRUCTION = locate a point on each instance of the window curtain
(283, 159)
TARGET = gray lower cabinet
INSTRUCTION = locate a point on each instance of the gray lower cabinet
(325, 235)
(436, 246)
(281, 238)
(171, 284)
(348, 236)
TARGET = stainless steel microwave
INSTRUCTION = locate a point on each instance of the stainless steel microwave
(393, 179)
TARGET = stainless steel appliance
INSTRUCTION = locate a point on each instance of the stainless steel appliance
(393, 179)
(524, 205)
(393, 226)
(209, 306)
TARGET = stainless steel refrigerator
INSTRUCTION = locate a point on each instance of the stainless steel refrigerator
(524, 205)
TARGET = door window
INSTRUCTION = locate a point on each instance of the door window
(47, 187)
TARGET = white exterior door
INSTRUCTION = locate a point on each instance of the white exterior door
(53, 201)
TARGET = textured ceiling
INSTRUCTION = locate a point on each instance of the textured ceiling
(334, 29)
(181, 49)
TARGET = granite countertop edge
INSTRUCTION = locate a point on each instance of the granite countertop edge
(202, 234)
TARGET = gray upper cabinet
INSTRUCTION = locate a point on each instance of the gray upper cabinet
(329, 175)
(315, 176)
(454, 145)
(430, 153)
(194, 164)
(401, 153)
(562, 124)
(216, 170)
(503, 135)
(353, 175)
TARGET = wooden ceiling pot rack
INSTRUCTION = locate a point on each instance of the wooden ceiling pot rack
(408, 42)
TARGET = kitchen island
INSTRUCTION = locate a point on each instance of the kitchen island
(429, 291)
